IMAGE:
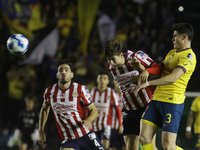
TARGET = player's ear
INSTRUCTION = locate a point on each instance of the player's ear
(121, 54)
(72, 74)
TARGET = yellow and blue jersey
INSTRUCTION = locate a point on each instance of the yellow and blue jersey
(175, 92)
(196, 108)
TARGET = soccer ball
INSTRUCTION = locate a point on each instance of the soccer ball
(17, 44)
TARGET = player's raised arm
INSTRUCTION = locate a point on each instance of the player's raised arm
(44, 112)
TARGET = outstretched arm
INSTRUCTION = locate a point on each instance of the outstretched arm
(93, 115)
(168, 79)
(44, 112)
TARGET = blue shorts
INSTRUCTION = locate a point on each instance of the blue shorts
(163, 115)
(104, 134)
(86, 142)
(116, 139)
(197, 136)
(131, 120)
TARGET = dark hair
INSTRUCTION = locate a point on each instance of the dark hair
(184, 28)
(113, 47)
(65, 61)
(29, 97)
(103, 73)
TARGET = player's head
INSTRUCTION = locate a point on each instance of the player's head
(64, 71)
(183, 34)
(114, 53)
(102, 79)
(29, 101)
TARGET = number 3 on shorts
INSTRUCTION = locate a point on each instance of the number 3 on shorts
(169, 116)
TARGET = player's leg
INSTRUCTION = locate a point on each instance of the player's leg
(146, 135)
(106, 137)
(151, 122)
(131, 124)
(154, 142)
(114, 139)
(171, 118)
(131, 141)
(169, 140)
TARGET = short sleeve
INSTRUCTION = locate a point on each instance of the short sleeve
(187, 62)
(86, 97)
(144, 59)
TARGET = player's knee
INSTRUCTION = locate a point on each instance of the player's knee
(144, 140)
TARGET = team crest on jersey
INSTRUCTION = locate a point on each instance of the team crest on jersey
(87, 91)
(190, 56)
(108, 97)
(75, 94)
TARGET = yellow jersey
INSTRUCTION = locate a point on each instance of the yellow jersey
(196, 108)
(175, 92)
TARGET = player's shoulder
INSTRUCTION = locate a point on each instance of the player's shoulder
(197, 99)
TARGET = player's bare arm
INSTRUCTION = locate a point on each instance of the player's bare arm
(44, 112)
(168, 79)
(93, 115)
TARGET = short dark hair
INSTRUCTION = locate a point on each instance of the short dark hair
(103, 73)
(65, 61)
(113, 47)
(29, 97)
(184, 28)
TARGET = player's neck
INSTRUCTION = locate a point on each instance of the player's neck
(101, 88)
(64, 86)
(185, 46)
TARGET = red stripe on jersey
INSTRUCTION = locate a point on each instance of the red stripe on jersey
(105, 98)
(79, 124)
(121, 70)
(109, 119)
(60, 134)
(114, 72)
(135, 100)
(97, 124)
(125, 100)
(140, 93)
(63, 93)
(55, 93)
(94, 95)
(70, 93)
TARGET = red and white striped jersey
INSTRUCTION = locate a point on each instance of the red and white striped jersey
(104, 101)
(67, 106)
(127, 79)
(115, 121)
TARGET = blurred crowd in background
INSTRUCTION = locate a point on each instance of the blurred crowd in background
(140, 24)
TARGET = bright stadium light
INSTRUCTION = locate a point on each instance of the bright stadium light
(180, 8)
